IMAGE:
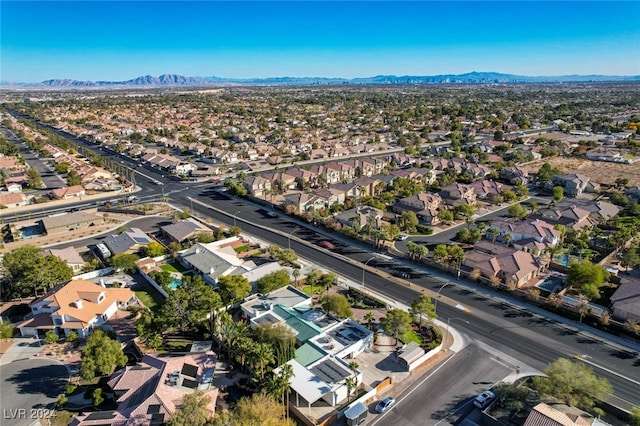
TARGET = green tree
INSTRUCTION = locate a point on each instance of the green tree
(34, 180)
(635, 416)
(587, 278)
(516, 211)
(124, 262)
(440, 253)
(273, 281)
(260, 357)
(280, 338)
(162, 278)
(193, 411)
(396, 322)
(337, 304)
(508, 195)
(422, 308)
(154, 249)
(233, 288)
(191, 304)
(409, 221)
(558, 193)
(205, 237)
(630, 258)
(72, 336)
(573, 382)
(546, 173)
(445, 216)
(6, 330)
(73, 178)
(51, 337)
(97, 397)
(259, 409)
(100, 356)
(28, 269)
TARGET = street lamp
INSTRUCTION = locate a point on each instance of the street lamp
(234, 217)
(363, 265)
(435, 307)
(444, 340)
(290, 234)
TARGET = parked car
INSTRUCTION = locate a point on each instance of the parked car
(385, 404)
(402, 237)
(484, 399)
(327, 245)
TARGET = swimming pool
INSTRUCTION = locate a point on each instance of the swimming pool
(175, 283)
(551, 284)
(30, 231)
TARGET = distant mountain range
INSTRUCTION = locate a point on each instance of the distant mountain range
(173, 80)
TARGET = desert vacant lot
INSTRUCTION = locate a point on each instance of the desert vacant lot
(597, 171)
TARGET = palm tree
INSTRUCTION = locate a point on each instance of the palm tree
(259, 357)
(369, 317)
(296, 275)
(351, 383)
(233, 332)
(284, 376)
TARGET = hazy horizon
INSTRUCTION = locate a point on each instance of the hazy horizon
(121, 40)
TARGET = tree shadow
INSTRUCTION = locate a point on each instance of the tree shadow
(47, 380)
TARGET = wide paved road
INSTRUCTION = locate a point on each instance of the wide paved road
(530, 338)
(446, 394)
(516, 332)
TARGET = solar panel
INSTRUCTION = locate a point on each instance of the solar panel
(191, 384)
(157, 419)
(140, 240)
(189, 370)
(101, 415)
(153, 409)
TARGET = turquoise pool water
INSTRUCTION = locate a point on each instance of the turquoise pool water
(30, 231)
(551, 284)
(175, 283)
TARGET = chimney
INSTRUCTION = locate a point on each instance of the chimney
(78, 303)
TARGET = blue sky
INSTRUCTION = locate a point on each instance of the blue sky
(119, 40)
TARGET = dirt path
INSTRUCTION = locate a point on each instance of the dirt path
(598, 171)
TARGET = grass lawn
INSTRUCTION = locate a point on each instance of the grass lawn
(172, 267)
(149, 296)
(62, 418)
(410, 336)
(310, 290)
(241, 249)
(177, 345)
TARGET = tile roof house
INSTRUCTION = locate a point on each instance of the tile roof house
(360, 217)
(69, 255)
(537, 229)
(560, 415)
(513, 267)
(69, 222)
(183, 230)
(78, 305)
(425, 205)
(66, 192)
(515, 175)
(257, 186)
(13, 199)
(127, 242)
(488, 190)
(457, 194)
(625, 301)
(215, 259)
(574, 184)
(149, 392)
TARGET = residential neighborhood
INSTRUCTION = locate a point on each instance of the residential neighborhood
(202, 253)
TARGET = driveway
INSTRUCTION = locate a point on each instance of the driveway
(29, 388)
(24, 347)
